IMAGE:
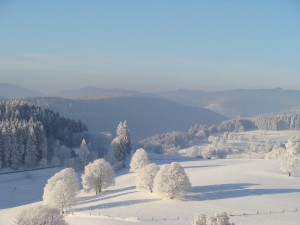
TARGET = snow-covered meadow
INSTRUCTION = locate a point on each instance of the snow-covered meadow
(241, 184)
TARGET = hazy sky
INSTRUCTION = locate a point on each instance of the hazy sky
(150, 45)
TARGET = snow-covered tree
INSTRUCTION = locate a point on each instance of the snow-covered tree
(40, 215)
(193, 151)
(16, 152)
(145, 177)
(139, 160)
(84, 153)
(171, 181)
(200, 219)
(119, 149)
(208, 152)
(31, 153)
(124, 135)
(288, 163)
(218, 219)
(276, 153)
(98, 175)
(61, 189)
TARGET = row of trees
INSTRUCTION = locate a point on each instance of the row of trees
(170, 181)
(22, 143)
(28, 134)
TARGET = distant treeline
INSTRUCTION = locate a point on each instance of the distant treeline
(28, 132)
(169, 142)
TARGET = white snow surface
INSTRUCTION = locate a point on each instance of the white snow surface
(235, 185)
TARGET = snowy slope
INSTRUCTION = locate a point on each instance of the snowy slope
(237, 186)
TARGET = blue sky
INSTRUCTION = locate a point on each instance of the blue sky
(150, 45)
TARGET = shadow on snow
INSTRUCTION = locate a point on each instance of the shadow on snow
(226, 191)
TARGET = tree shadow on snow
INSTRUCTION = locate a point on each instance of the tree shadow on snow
(115, 204)
(225, 191)
(107, 194)
(195, 167)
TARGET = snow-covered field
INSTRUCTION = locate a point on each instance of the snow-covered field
(235, 185)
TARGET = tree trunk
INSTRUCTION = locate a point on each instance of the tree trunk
(290, 174)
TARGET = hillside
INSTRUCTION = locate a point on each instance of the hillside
(236, 185)
(146, 116)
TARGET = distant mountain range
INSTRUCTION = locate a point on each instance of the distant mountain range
(239, 102)
(94, 93)
(14, 91)
(232, 103)
(146, 116)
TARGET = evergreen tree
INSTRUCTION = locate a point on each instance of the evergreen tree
(31, 153)
(16, 152)
(119, 150)
(84, 154)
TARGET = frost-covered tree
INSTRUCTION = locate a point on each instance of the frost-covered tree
(61, 189)
(119, 149)
(124, 136)
(139, 160)
(288, 163)
(193, 151)
(40, 215)
(171, 181)
(16, 152)
(218, 219)
(200, 219)
(145, 177)
(84, 153)
(31, 153)
(98, 175)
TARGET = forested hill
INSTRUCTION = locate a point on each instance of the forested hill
(28, 132)
(146, 116)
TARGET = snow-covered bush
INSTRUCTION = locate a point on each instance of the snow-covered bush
(208, 152)
(139, 160)
(171, 181)
(98, 175)
(200, 219)
(193, 152)
(218, 219)
(276, 153)
(40, 215)
(61, 189)
(145, 177)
